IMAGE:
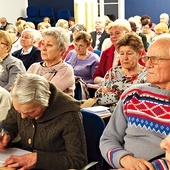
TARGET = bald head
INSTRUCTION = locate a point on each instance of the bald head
(161, 45)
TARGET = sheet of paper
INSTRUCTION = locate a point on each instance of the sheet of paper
(11, 151)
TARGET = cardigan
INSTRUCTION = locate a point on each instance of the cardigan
(139, 123)
(61, 75)
(57, 136)
(11, 68)
(28, 59)
(106, 62)
(83, 68)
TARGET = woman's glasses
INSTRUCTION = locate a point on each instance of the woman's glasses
(154, 59)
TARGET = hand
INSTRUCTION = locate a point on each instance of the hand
(23, 162)
(103, 90)
(131, 163)
(4, 140)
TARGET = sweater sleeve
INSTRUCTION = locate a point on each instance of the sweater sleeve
(111, 142)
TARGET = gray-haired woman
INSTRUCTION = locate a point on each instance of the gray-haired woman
(49, 125)
(28, 54)
(53, 45)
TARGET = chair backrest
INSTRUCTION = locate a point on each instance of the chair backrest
(63, 14)
(98, 52)
(33, 11)
(93, 126)
(46, 11)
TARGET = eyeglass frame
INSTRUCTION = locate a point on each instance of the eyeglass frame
(156, 57)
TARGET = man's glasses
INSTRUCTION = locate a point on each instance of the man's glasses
(154, 59)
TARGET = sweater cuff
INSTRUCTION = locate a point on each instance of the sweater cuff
(115, 155)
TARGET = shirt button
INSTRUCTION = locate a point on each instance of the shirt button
(29, 141)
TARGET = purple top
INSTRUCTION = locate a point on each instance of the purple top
(83, 68)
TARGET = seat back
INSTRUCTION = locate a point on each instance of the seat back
(98, 52)
(93, 126)
(33, 11)
(46, 11)
(63, 14)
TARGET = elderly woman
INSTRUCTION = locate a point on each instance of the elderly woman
(11, 65)
(12, 30)
(53, 45)
(83, 61)
(75, 29)
(141, 119)
(49, 125)
(119, 78)
(110, 57)
(5, 100)
(28, 54)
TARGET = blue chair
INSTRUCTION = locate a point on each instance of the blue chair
(93, 126)
(98, 52)
(63, 14)
(46, 12)
(32, 13)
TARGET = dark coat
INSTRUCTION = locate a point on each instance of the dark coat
(104, 35)
(28, 59)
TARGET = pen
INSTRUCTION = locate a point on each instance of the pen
(3, 128)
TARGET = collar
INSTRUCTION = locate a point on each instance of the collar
(26, 52)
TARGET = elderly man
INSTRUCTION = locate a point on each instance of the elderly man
(99, 35)
(141, 119)
(4, 23)
(164, 18)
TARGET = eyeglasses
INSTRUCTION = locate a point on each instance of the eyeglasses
(154, 59)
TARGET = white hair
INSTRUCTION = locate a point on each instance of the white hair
(31, 87)
(164, 15)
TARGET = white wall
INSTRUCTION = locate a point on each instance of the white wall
(12, 9)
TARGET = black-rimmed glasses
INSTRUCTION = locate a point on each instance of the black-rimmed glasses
(154, 59)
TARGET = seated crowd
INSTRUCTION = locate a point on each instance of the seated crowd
(125, 66)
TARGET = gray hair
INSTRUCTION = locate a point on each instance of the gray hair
(62, 36)
(164, 15)
(31, 87)
(13, 27)
(32, 32)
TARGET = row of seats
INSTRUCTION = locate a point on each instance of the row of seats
(36, 14)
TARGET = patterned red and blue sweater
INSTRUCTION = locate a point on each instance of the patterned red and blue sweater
(139, 123)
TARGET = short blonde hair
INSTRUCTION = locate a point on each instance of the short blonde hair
(161, 27)
(120, 23)
(62, 23)
(5, 36)
(46, 24)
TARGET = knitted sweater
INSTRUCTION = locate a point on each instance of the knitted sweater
(57, 136)
(140, 122)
